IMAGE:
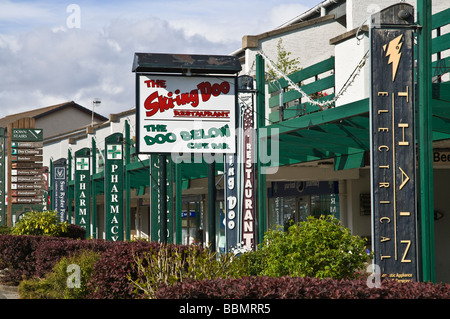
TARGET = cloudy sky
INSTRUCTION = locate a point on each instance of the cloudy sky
(57, 51)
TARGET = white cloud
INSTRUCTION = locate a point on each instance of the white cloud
(44, 62)
(46, 65)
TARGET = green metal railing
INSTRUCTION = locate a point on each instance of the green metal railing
(319, 78)
(440, 43)
(286, 103)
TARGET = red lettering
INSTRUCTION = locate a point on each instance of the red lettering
(155, 83)
(152, 107)
(205, 90)
(154, 102)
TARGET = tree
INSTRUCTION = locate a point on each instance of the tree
(284, 62)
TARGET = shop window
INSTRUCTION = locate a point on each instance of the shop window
(294, 201)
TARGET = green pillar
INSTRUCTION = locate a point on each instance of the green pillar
(127, 182)
(178, 203)
(260, 122)
(52, 186)
(94, 190)
(154, 198)
(425, 139)
(163, 197)
(211, 205)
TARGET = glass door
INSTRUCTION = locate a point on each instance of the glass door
(303, 208)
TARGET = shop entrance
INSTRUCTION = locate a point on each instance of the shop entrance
(191, 220)
(293, 202)
(303, 208)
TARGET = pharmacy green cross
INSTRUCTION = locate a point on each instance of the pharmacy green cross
(82, 164)
(114, 151)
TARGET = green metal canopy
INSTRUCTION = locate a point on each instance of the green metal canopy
(343, 133)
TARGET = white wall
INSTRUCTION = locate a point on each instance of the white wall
(348, 55)
(59, 148)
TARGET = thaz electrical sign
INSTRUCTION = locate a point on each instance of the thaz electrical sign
(393, 152)
(180, 114)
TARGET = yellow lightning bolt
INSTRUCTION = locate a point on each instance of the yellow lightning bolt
(393, 51)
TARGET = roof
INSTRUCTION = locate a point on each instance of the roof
(38, 113)
(194, 63)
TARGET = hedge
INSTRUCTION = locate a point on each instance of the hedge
(26, 256)
(300, 288)
(109, 280)
(34, 256)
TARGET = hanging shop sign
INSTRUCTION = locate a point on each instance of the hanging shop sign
(248, 201)
(28, 135)
(83, 189)
(114, 187)
(232, 209)
(188, 114)
(59, 182)
(393, 153)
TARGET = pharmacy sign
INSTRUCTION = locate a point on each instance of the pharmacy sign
(83, 189)
(114, 187)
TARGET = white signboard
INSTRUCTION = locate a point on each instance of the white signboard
(186, 114)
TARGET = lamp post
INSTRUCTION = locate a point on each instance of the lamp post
(95, 103)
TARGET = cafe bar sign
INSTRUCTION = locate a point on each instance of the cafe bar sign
(186, 114)
(393, 152)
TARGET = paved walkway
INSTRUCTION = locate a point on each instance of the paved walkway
(9, 292)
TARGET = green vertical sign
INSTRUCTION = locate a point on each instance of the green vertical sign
(154, 198)
(83, 189)
(114, 187)
(170, 196)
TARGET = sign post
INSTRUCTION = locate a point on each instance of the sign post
(114, 187)
(393, 149)
(25, 189)
(240, 200)
(59, 182)
(192, 110)
(83, 189)
(2, 178)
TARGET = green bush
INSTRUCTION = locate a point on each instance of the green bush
(169, 265)
(251, 263)
(56, 284)
(5, 230)
(319, 247)
(39, 223)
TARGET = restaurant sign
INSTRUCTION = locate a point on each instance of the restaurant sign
(185, 114)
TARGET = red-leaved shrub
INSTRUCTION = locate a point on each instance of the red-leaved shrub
(300, 288)
(26, 256)
(109, 280)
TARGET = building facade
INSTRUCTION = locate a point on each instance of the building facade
(320, 160)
